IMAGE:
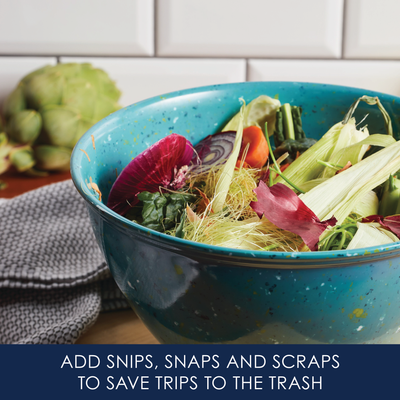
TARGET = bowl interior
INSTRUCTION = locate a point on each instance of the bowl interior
(112, 143)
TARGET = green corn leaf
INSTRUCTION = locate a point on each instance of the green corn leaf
(339, 195)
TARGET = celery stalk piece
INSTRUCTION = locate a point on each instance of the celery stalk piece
(288, 121)
(355, 152)
(371, 234)
(339, 195)
(225, 179)
(260, 110)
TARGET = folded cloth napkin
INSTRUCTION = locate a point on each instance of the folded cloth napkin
(54, 281)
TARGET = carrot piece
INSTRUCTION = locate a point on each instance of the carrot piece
(257, 154)
(240, 163)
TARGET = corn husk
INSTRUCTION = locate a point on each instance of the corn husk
(306, 167)
(339, 195)
(225, 179)
(259, 111)
(371, 234)
(368, 205)
(355, 152)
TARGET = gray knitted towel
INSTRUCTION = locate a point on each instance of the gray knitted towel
(53, 278)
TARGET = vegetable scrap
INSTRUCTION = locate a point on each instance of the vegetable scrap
(48, 112)
(262, 184)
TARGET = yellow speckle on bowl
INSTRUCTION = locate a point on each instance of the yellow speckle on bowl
(178, 269)
(358, 312)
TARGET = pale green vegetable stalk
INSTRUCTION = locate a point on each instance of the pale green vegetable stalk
(260, 110)
(339, 195)
(371, 234)
(225, 179)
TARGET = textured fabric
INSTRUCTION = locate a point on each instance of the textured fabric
(53, 278)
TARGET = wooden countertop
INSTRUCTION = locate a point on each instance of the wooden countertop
(115, 327)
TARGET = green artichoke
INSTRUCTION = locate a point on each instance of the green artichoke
(49, 110)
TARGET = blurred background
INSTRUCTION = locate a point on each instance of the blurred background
(151, 47)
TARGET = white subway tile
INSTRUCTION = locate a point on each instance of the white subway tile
(251, 28)
(141, 78)
(376, 75)
(12, 69)
(77, 27)
(372, 29)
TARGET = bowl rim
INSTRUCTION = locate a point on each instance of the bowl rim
(86, 141)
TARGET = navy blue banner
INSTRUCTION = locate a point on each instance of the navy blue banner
(177, 371)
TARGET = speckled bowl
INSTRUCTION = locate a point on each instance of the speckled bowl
(186, 292)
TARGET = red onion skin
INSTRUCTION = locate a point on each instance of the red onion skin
(160, 166)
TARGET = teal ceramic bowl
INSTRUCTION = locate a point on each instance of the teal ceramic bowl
(186, 292)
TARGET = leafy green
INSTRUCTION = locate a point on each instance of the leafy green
(163, 211)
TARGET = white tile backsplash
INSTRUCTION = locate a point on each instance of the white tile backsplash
(12, 69)
(152, 47)
(77, 27)
(372, 29)
(251, 28)
(383, 76)
(141, 78)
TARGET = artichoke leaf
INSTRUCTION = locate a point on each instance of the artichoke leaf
(60, 126)
(44, 89)
(15, 102)
(22, 158)
(52, 158)
(24, 127)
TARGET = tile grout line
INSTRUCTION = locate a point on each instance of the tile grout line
(343, 29)
(155, 29)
